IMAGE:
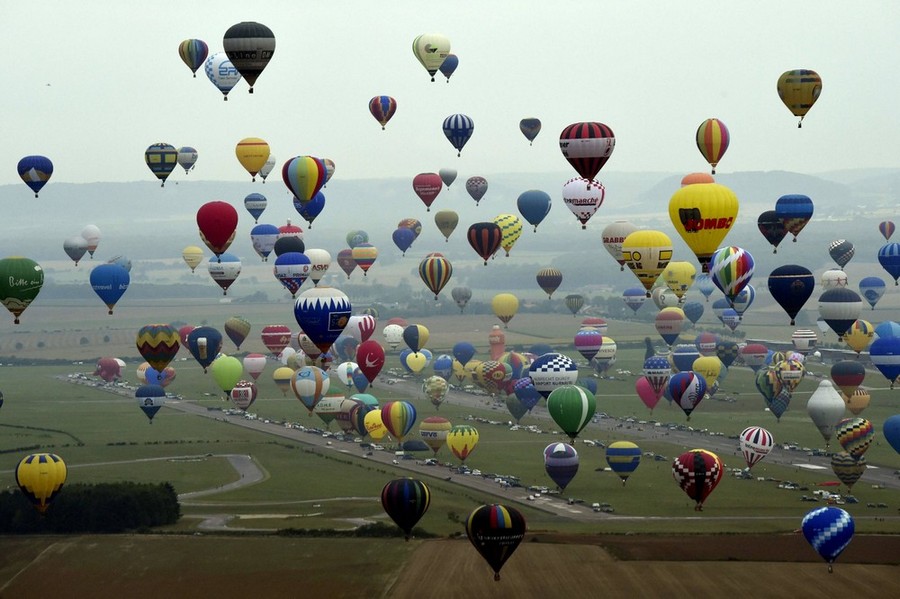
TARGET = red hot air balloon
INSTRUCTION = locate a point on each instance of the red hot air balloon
(698, 472)
(217, 222)
(587, 147)
(345, 261)
(712, 141)
(427, 186)
(276, 337)
(485, 239)
(370, 359)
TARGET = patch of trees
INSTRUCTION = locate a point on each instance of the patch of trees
(373, 530)
(97, 508)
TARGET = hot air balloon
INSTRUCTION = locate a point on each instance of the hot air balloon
(217, 222)
(398, 418)
(364, 254)
(534, 205)
(886, 228)
(192, 256)
(193, 53)
(415, 336)
(435, 389)
(647, 253)
(255, 203)
(435, 272)
(311, 209)
(772, 228)
(841, 251)
(889, 258)
(221, 73)
(588, 342)
(448, 176)
(730, 269)
(826, 408)
(157, 344)
(574, 302)
(252, 153)
(505, 307)
(75, 247)
(679, 276)
(756, 443)
(41, 476)
(434, 431)
(250, 47)
(405, 500)
(225, 270)
(848, 468)
(461, 295)
(35, 171)
(370, 357)
(561, 463)
(552, 370)
(322, 313)
(795, 211)
(21, 280)
(320, 262)
(161, 158)
(150, 398)
(891, 431)
(855, 435)
(485, 239)
(267, 167)
(254, 364)
(462, 440)
(872, 288)
(237, 329)
(495, 531)
(840, 307)
(109, 282)
(832, 278)
(187, 158)
(446, 221)
(623, 458)
(587, 146)
(204, 343)
(549, 279)
(458, 129)
(884, 353)
(427, 186)
(703, 214)
(791, 285)
(848, 375)
(276, 337)
(304, 176)
(382, 109)
(448, 67)
(829, 530)
(712, 141)
(511, 229)
(476, 187)
(310, 384)
(530, 128)
(698, 472)
(431, 50)
(669, 322)
(292, 269)
(571, 407)
(799, 89)
(583, 197)
(243, 394)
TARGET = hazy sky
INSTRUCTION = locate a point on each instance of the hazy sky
(91, 84)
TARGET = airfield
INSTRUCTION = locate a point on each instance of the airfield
(241, 480)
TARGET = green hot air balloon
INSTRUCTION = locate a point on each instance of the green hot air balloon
(571, 407)
(226, 371)
(20, 282)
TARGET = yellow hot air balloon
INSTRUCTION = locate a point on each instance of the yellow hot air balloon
(799, 89)
(505, 306)
(252, 153)
(374, 425)
(282, 377)
(193, 256)
(41, 476)
(647, 253)
(460, 372)
(708, 366)
(446, 221)
(511, 229)
(703, 214)
(431, 49)
(858, 401)
(416, 362)
(859, 335)
(679, 276)
(462, 440)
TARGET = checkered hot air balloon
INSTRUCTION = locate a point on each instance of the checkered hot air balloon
(697, 472)
(829, 530)
(855, 435)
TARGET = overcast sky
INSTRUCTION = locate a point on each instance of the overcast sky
(91, 84)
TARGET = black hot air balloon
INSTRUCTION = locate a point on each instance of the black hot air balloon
(772, 228)
(485, 239)
(405, 500)
(496, 531)
(249, 47)
(791, 285)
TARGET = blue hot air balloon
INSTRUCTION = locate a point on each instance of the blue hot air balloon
(110, 281)
(588, 383)
(458, 128)
(525, 392)
(322, 312)
(150, 399)
(623, 458)
(263, 238)
(693, 311)
(292, 269)
(888, 328)
(534, 205)
(35, 171)
(794, 211)
(683, 356)
(443, 366)
(634, 298)
(311, 209)
(561, 463)
(255, 203)
(791, 285)
(889, 258)
(449, 66)
(872, 288)
(204, 343)
(704, 284)
(463, 352)
(885, 355)
(891, 431)
(403, 238)
(829, 530)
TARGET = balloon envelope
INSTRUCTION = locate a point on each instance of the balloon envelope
(495, 531)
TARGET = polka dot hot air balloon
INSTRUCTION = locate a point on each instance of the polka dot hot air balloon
(587, 146)
(712, 141)
(829, 530)
(698, 472)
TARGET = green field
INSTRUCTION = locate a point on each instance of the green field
(93, 430)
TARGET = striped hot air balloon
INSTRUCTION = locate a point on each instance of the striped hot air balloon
(406, 500)
(458, 129)
(587, 146)
(382, 109)
(756, 443)
(157, 344)
(435, 272)
(623, 458)
(712, 141)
